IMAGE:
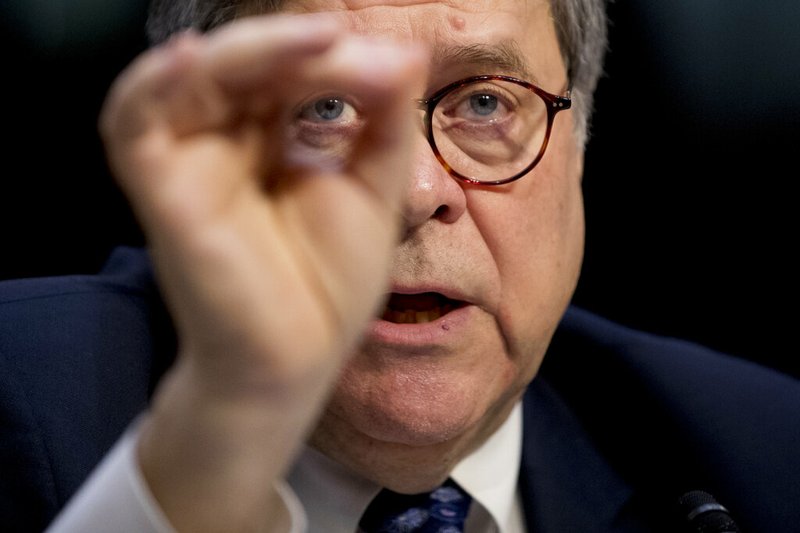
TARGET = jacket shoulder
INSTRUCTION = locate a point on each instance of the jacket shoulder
(673, 416)
(77, 363)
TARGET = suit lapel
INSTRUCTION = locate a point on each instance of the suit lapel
(566, 484)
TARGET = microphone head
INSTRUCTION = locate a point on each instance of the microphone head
(704, 514)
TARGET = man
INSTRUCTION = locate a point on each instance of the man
(365, 219)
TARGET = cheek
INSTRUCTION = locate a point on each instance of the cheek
(537, 247)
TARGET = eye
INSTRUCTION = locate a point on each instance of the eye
(325, 129)
(331, 109)
(483, 104)
(479, 103)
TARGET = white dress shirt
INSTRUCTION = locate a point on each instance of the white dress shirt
(116, 498)
(489, 475)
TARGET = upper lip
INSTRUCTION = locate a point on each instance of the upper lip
(451, 293)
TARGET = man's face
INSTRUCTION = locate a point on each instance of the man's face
(498, 263)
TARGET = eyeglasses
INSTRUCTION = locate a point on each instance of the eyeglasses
(488, 130)
(491, 129)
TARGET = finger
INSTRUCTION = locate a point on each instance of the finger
(253, 51)
(384, 77)
(351, 214)
(175, 82)
(383, 154)
(228, 64)
(379, 77)
(133, 123)
(172, 91)
(129, 109)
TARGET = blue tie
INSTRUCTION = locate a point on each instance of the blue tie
(443, 510)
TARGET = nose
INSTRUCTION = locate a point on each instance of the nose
(432, 193)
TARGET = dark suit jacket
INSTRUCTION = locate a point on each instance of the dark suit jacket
(617, 425)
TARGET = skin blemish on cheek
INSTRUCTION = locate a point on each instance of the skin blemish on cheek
(446, 327)
(458, 23)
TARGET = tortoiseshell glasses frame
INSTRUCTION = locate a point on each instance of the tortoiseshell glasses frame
(552, 103)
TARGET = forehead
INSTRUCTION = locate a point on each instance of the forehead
(509, 36)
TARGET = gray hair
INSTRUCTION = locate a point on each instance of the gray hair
(581, 26)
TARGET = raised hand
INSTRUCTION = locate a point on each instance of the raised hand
(271, 259)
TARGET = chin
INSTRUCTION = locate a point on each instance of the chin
(430, 427)
(411, 412)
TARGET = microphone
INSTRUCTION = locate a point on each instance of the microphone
(703, 514)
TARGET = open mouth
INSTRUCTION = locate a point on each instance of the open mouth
(418, 308)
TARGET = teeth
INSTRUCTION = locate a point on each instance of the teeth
(411, 316)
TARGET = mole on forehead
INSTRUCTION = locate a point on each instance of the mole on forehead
(505, 56)
(457, 23)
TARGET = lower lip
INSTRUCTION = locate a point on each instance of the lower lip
(438, 331)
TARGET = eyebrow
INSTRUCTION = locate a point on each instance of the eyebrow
(505, 56)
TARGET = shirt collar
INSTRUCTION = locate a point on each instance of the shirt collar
(489, 475)
(333, 497)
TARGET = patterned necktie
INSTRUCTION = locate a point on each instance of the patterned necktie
(443, 510)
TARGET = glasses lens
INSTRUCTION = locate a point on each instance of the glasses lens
(490, 130)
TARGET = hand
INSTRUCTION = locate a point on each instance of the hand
(270, 268)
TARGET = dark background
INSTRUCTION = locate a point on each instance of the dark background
(690, 176)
